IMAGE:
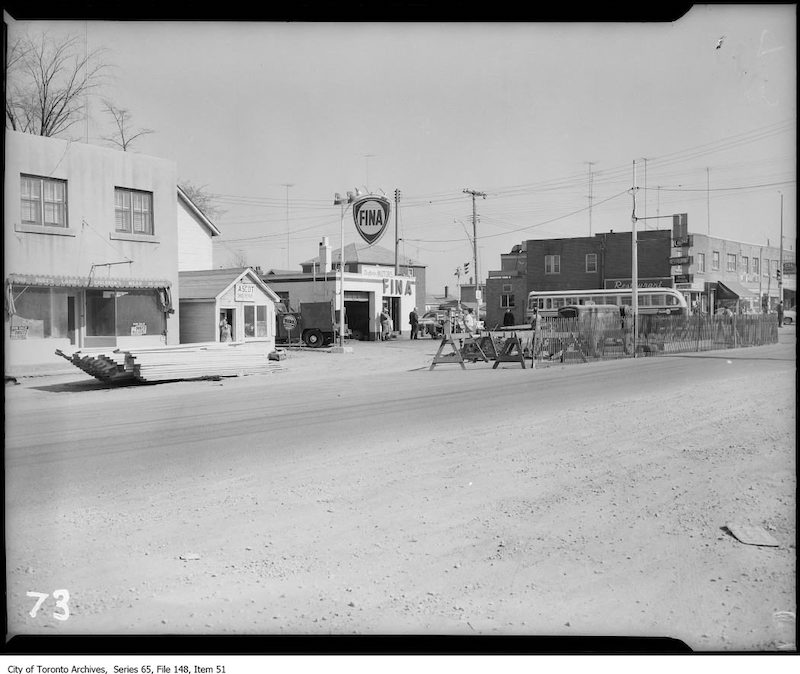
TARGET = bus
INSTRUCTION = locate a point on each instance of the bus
(664, 301)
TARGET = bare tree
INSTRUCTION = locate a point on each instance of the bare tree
(124, 134)
(203, 199)
(47, 80)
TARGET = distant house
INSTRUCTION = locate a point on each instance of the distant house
(238, 295)
(195, 235)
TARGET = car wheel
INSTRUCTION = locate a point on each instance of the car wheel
(313, 338)
(787, 321)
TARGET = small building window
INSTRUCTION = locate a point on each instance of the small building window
(43, 201)
(756, 264)
(552, 264)
(507, 301)
(745, 264)
(701, 263)
(591, 262)
(133, 211)
(715, 260)
(731, 262)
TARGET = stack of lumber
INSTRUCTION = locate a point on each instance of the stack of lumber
(176, 363)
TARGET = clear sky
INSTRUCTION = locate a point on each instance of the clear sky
(539, 116)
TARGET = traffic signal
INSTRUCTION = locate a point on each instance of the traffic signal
(466, 268)
(778, 274)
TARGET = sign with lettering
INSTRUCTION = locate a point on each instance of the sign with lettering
(683, 259)
(684, 278)
(244, 292)
(19, 332)
(398, 286)
(371, 216)
(138, 329)
(289, 322)
(625, 283)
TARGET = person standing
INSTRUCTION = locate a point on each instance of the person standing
(469, 321)
(508, 318)
(384, 318)
(225, 333)
(780, 314)
(413, 319)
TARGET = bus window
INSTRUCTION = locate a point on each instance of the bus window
(644, 300)
(626, 300)
(541, 303)
(558, 302)
(657, 300)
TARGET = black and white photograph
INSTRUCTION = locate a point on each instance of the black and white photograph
(399, 337)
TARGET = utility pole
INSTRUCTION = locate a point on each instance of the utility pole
(287, 186)
(645, 191)
(474, 194)
(591, 182)
(634, 264)
(396, 236)
(780, 263)
(708, 199)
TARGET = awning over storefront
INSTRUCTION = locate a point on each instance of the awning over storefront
(161, 286)
(85, 281)
(731, 290)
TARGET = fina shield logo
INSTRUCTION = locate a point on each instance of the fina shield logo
(371, 215)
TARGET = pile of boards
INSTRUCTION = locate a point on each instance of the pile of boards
(171, 363)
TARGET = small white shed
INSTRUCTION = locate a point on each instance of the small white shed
(237, 295)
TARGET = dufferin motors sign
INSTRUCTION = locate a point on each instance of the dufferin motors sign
(371, 215)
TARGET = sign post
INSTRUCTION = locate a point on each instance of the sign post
(289, 324)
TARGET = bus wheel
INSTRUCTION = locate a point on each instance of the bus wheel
(313, 338)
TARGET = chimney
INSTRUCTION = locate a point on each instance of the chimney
(445, 292)
(324, 255)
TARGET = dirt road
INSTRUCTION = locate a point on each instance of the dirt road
(373, 496)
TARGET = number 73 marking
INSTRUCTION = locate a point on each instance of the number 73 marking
(61, 597)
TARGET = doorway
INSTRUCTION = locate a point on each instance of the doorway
(71, 319)
(229, 315)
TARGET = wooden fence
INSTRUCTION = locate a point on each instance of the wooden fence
(565, 340)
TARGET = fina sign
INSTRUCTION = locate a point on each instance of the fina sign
(371, 215)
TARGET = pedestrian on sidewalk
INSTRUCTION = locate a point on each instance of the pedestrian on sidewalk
(413, 319)
(780, 314)
(508, 318)
(385, 320)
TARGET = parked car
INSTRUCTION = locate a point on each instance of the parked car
(790, 317)
(432, 323)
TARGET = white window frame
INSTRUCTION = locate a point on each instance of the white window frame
(730, 261)
(144, 211)
(507, 301)
(41, 203)
(715, 260)
(552, 264)
(593, 258)
(701, 263)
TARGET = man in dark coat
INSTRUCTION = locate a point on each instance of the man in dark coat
(413, 318)
(508, 318)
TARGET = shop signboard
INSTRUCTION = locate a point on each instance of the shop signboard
(244, 292)
(625, 283)
(371, 217)
(683, 259)
(684, 278)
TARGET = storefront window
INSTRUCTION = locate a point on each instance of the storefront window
(249, 321)
(261, 321)
(138, 313)
(40, 313)
(123, 313)
(255, 321)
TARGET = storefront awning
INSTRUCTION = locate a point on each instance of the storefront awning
(85, 281)
(731, 290)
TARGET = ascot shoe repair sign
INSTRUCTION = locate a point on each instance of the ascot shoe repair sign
(371, 215)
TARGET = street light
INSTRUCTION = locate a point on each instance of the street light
(339, 200)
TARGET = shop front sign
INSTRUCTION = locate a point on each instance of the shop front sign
(244, 292)
(625, 283)
(397, 286)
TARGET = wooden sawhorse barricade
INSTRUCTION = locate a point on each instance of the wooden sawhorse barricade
(471, 346)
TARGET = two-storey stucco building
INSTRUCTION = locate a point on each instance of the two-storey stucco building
(90, 249)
